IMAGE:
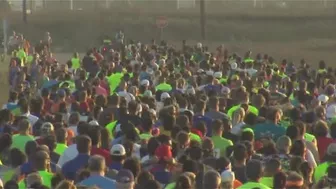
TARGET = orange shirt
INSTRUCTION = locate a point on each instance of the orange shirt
(236, 184)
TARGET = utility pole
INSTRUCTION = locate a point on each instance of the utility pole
(24, 10)
(202, 18)
(5, 9)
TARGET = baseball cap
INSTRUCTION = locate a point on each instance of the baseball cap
(209, 73)
(331, 150)
(218, 75)
(144, 82)
(118, 150)
(233, 65)
(47, 127)
(228, 176)
(94, 123)
(248, 130)
(164, 96)
(124, 176)
(331, 111)
(226, 90)
(323, 98)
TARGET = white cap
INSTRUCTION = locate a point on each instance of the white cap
(228, 176)
(118, 150)
(331, 111)
(144, 82)
(209, 72)
(226, 90)
(199, 45)
(164, 96)
(234, 65)
(218, 75)
(94, 123)
(323, 98)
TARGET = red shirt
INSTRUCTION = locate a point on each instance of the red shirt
(47, 104)
(102, 152)
(84, 107)
(322, 145)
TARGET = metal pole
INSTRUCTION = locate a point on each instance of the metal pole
(4, 22)
(203, 19)
(71, 4)
(24, 11)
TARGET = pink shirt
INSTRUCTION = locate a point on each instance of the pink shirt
(101, 91)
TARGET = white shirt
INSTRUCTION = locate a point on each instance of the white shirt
(69, 154)
(237, 129)
(310, 159)
(32, 119)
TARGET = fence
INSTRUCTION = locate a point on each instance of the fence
(170, 5)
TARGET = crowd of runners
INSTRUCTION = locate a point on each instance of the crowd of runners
(150, 116)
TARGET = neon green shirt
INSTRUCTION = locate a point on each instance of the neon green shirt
(220, 144)
(8, 175)
(75, 63)
(248, 60)
(171, 186)
(250, 185)
(163, 87)
(22, 55)
(252, 109)
(223, 80)
(110, 127)
(46, 179)
(309, 137)
(114, 81)
(60, 148)
(19, 141)
(321, 170)
(145, 136)
(194, 136)
(268, 181)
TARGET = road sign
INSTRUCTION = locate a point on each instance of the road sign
(162, 22)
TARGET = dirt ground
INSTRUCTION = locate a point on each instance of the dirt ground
(305, 29)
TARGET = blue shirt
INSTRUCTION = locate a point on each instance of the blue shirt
(161, 175)
(71, 167)
(268, 130)
(99, 181)
(206, 120)
(27, 168)
(116, 166)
